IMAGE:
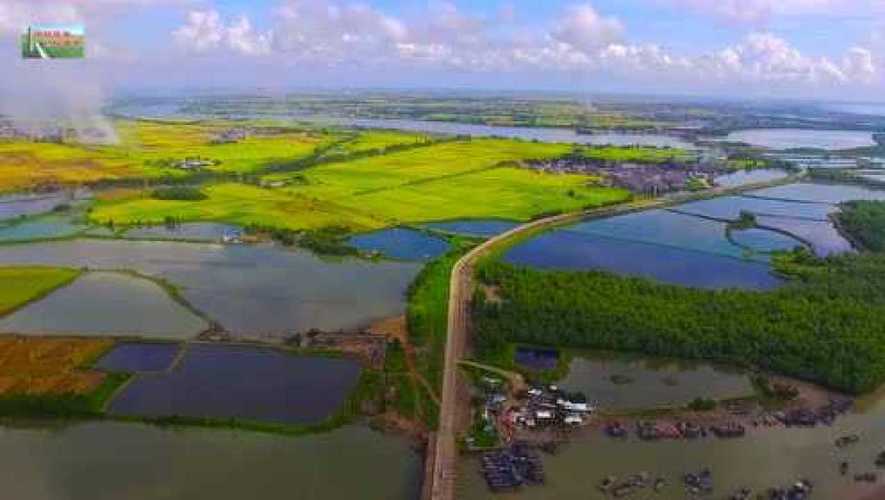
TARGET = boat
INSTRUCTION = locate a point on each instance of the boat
(607, 483)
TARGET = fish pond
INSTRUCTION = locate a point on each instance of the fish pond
(730, 208)
(192, 231)
(658, 244)
(821, 193)
(23, 205)
(745, 177)
(111, 461)
(248, 383)
(401, 244)
(805, 219)
(40, 228)
(568, 250)
(767, 458)
(106, 303)
(620, 382)
(481, 228)
(536, 358)
(822, 235)
(262, 290)
(763, 240)
(137, 357)
(787, 138)
(690, 244)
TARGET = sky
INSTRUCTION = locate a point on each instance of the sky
(819, 49)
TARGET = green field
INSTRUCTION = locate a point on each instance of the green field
(27, 164)
(25, 284)
(379, 140)
(152, 150)
(449, 180)
(153, 144)
(235, 203)
(634, 154)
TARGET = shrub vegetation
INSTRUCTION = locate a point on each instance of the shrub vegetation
(864, 221)
(826, 325)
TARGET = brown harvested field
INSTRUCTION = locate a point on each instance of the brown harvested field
(49, 366)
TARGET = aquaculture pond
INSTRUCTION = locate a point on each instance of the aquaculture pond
(745, 177)
(821, 193)
(401, 244)
(730, 208)
(616, 381)
(764, 240)
(787, 138)
(111, 461)
(139, 357)
(577, 249)
(106, 303)
(536, 358)
(572, 250)
(527, 133)
(805, 219)
(192, 231)
(766, 458)
(823, 236)
(250, 383)
(481, 228)
(22, 205)
(38, 228)
(261, 290)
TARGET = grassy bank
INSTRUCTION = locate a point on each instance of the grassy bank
(427, 316)
(52, 377)
(825, 326)
(64, 405)
(20, 286)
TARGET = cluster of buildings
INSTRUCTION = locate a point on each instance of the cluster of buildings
(230, 136)
(194, 163)
(653, 179)
(547, 406)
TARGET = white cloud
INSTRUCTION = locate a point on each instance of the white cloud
(584, 29)
(581, 41)
(205, 31)
(330, 32)
(760, 11)
(242, 38)
(859, 64)
(763, 57)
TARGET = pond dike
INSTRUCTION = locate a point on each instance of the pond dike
(724, 220)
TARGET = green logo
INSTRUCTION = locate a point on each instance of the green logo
(53, 41)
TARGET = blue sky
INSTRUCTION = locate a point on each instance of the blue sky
(805, 48)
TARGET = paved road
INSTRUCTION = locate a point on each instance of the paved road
(445, 452)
